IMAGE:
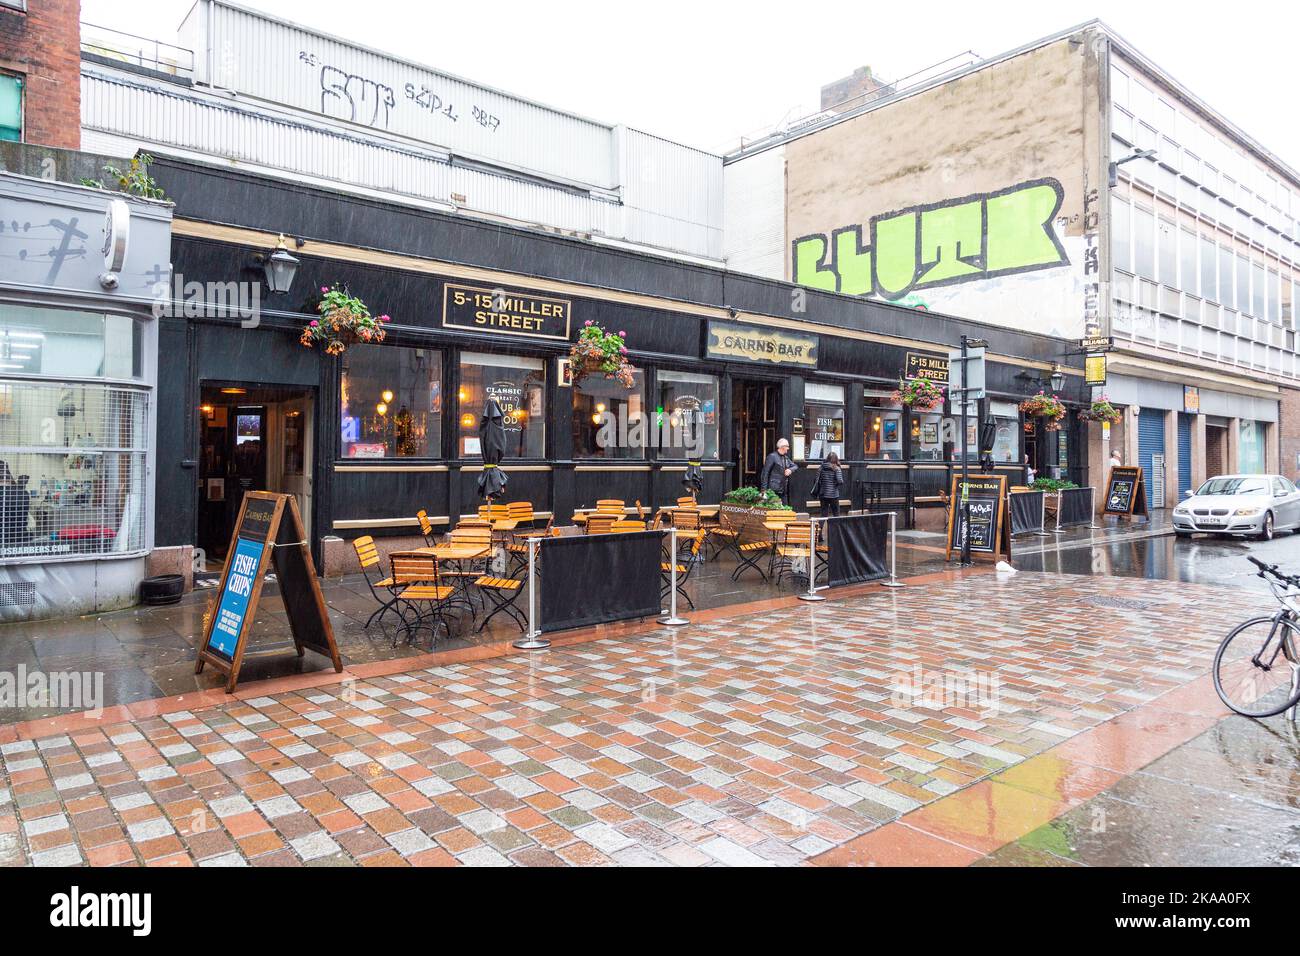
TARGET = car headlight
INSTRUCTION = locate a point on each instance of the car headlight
(1247, 512)
(1180, 510)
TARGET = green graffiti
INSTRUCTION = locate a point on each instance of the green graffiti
(959, 240)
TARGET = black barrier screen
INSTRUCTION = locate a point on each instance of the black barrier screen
(1075, 507)
(1026, 511)
(594, 579)
(859, 548)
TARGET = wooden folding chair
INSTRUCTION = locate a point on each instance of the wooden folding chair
(368, 557)
(598, 523)
(426, 527)
(503, 592)
(419, 580)
(796, 545)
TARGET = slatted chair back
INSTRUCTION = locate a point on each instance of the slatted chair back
(686, 519)
(624, 526)
(686, 501)
(493, 512)
(520, 511)
(780, 516)
(367, 552)
(415, 569)
(473, 535)
(610, 506)
(426, 526)
(640, 511)
(798, 533)
(601, 523)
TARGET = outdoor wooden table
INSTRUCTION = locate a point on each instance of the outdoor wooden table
(455, 554)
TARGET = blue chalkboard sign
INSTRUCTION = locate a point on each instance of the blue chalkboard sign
(236, 592)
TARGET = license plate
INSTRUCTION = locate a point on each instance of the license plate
(1211, 521)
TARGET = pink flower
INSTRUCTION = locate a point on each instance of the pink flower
(622, 335)
(384, 318)
(324, 288)
(587, 323)
(314, 323)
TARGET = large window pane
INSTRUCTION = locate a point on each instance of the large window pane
(1144, 243)
(64, 343)
(1209, 277)
(927, 437)
(1121, 246)
(391, 402)
(690, 405)
(882, 437)
(1167, 241)
(1225, 277)
(519, 386)
(1187, 261)
(11, 108)
(823, 412)
(72, 468)
(1257, 290)
(1243, 284)
(609, 419)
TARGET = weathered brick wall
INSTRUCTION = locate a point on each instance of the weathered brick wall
(1289, 428)
(44, 45)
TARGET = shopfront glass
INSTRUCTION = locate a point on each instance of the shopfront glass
(823, 413)
(519, 386)
(609, 419)
(689, 405)
(73, 450)
(391, 402)
(1250, 445)
(927, 436)
(1006, 439)
(882, 434)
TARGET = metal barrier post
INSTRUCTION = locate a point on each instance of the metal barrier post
(672, 620)
(1060, 500)
(811, 594)
(533, 640)
(1042, 519)
(893, 581)
(1092, 509)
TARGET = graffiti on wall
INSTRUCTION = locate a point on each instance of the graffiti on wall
(975, 237)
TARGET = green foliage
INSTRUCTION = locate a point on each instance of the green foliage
(1052, 484)
(134, 180)
(750, 497)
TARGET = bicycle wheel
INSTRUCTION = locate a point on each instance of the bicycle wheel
(1254, 667)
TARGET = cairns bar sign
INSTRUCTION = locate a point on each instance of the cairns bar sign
(730, 341)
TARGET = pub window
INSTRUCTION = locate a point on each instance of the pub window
(927, 436)
(823, 413)
(519, 386)
(609, 419)
(390, 402)
(689, 404)
(1006, 438)
(882, 435)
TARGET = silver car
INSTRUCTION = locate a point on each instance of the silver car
(1257, 505)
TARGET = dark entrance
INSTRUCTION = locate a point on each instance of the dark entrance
(756, 422)
(251, 438)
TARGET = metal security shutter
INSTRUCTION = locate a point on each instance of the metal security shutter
(1151, 442)
(1184, 454)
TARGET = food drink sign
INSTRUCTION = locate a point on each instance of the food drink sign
(987, 528)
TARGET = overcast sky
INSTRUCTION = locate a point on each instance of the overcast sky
(706, 72)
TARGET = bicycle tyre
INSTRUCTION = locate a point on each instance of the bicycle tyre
(1272, 702)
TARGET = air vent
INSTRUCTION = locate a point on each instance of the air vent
(20, 594)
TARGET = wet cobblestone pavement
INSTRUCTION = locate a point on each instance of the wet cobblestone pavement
(776, 737)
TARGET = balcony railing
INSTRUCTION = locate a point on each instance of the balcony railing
(138, 51)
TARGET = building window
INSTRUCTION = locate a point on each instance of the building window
(927, 436)
(390, 402)
(1225, 276)
(1243, 285)
(11, 106)
(609, 419)
(519, 386)
(1167, 241)
(1209, 277)
(823, 414)
(1144, 243)
(1006, 439)
(1250, 446)
(1257, 290)
(64, 343)
(1187, 263)
(1121, 243)
(882, 435)
(689, 404)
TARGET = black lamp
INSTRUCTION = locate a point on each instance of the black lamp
(280, 268)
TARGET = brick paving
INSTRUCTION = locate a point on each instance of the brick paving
(762, 739)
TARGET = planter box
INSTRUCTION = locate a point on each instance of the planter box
(748, 521)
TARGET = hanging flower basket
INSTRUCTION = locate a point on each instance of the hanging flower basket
(598, 352)
(919, 393)
(344, 320)
(1102, 411)
(1048, 407)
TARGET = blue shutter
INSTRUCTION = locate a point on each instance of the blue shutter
(1184, 454)
(1151, 441)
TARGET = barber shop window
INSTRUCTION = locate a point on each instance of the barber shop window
(688, 406)
(823, 419)
(882, 431)
(390, 402)
(519, 386)
(610, 420)
(72, 450)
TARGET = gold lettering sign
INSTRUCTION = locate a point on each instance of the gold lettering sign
(1094, 369)
(933, 368)
(504, 312)
(748, 343)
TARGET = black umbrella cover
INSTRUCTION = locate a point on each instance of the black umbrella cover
(492, 443)
(694, 477)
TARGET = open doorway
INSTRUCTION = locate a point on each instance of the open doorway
(756, 420)
(251, 438)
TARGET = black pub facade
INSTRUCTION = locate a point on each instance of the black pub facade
(726, 364)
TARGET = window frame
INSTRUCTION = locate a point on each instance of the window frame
(434, 450)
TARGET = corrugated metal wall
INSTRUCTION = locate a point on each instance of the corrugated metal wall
(1151, 442)
(753, 214)
(671, 200)
(1184, 453)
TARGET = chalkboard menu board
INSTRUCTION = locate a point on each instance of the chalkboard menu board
(1125, 492)
(269, 533)
(987, 527)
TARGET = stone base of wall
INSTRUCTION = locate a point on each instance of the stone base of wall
(178, 559)
(338, 557)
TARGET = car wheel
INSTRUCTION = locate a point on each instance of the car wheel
(1266, 532)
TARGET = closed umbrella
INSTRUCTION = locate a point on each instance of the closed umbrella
(694, 478)
(492, 442)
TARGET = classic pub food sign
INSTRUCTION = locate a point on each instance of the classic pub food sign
(504, 312)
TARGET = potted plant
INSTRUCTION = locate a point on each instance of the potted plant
(919, 393)
(745, 509)
(344, 320)
(1045, 406)
(598, 352)
(1103, 411)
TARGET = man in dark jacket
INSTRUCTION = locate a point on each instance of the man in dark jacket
(777, 471)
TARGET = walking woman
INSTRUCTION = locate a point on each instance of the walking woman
(830, 479)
